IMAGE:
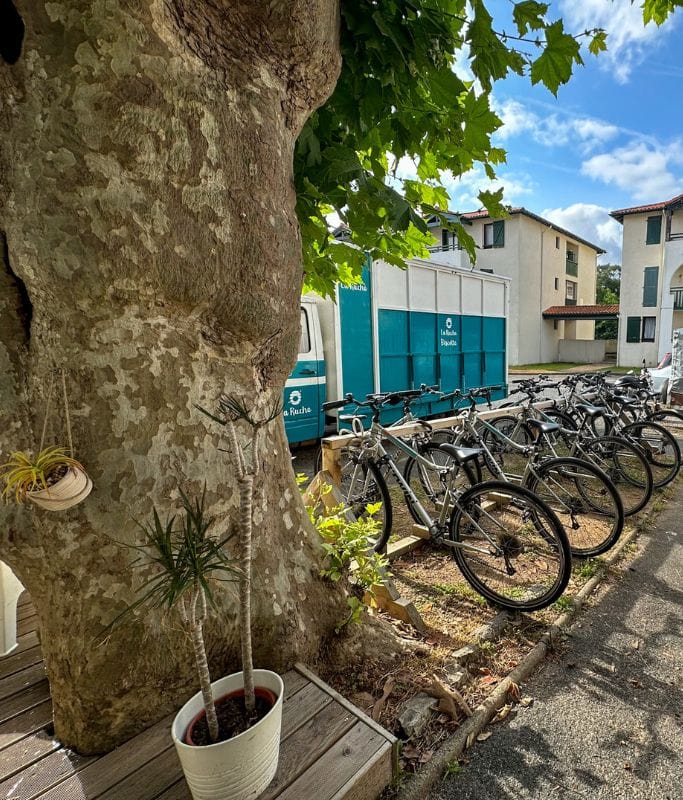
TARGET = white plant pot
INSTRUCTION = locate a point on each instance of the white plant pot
(239, 768)
(67, 492)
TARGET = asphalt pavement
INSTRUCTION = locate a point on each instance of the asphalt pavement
(606, 717)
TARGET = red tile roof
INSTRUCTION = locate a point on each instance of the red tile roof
(583, 312)
(622, 212)
(483, 213)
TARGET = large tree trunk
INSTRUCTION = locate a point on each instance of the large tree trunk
(150, 248)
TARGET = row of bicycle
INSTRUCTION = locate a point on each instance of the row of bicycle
(513, 496)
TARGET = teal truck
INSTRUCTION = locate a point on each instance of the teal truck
(428, 324)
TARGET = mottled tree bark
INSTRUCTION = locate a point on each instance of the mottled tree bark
(150, 247)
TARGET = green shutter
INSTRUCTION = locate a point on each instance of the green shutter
(650, 277)
(654, 230)
(633, 329)
(499, 233)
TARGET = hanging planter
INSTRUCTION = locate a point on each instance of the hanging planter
(52, 479)
(67, 492)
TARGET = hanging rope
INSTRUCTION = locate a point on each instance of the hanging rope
(48, 408)
(66, 415)
(47, 411)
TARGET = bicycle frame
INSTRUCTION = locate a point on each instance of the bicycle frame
(435, 526)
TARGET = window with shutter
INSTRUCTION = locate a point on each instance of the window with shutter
(650, 277)
(649, 327)
(494, 234)
(633, 329)
(654, 230)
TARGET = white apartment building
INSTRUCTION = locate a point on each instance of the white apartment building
(651, 301)
(552, 289)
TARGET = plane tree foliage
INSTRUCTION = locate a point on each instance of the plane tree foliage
(400, 101)
(402, 122)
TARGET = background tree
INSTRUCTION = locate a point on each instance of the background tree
(159, 165)
(607, 286)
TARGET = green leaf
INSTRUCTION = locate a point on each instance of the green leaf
(598, 43)
(529, 15)
(554, 66)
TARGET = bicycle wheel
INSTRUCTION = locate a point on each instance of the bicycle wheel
(361, 485)
(508, 459)
(510, 546)
(659, 447)
(429, 485)
(670, 419)
(585, 501)
(626, 466)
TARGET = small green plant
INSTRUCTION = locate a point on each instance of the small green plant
(348, 549)
(564, 604)
(186, 561)
(586, 569)
(24, 473)
(453, 768)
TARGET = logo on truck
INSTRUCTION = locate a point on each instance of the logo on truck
(449, 337)
(295, 398)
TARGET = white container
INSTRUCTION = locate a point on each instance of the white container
(239, 768)
(74, 487)
(10, 589)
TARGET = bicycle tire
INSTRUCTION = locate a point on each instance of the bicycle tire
(626, 466)
(671, 419)
(585, 501)
(531, 546)
(659, 447)
(421, 480)
(365, 486)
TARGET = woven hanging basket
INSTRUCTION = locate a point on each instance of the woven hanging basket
(67, 492)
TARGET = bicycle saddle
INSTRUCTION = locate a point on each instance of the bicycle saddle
(591, 411)
(543, 427)
(461, 454)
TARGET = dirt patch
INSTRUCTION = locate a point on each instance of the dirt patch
(380, 678)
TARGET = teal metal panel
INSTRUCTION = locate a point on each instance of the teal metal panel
(494, 353)
(471, 334)
(394, 350)
(472, 370)
(423, 348)
(355, 315)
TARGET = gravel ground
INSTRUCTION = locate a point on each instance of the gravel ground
(606, 717)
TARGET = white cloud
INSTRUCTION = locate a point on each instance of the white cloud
(628, 40)
(642, 170)
(593, 223)
(554, 129)
(464, 191)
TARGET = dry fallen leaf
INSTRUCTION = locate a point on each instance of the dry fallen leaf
(503, 713)
(487, 680)
(526, 701)
(483, 736)
(470, 740)
(513, 692)
(410, 751)
(426, 756)
(379, 705)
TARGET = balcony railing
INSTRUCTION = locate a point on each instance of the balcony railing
(572, 267)
(438, 248)
(678, 299)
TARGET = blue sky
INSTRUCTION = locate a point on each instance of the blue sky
(613, 138)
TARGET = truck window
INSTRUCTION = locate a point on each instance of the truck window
(305, 342)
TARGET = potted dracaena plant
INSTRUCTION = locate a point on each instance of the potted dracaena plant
(243, 762)
(227, 736)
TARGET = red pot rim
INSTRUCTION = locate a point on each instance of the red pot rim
(260, 691)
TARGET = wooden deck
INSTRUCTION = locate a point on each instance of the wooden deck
(330, 750)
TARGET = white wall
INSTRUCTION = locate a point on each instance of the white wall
(636, 255)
